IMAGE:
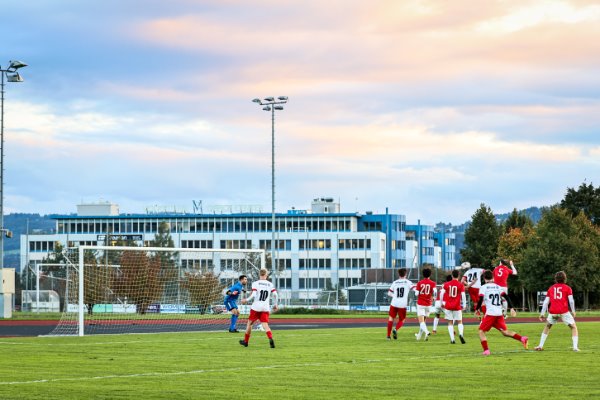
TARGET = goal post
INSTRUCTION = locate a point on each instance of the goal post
(122, 289)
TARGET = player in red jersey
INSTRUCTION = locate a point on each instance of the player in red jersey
(491, 294)
(437, 307)
(501, 274)
(426, 290)
(560, 298)
(453, 301)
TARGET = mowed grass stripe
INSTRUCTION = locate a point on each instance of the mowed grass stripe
(334, 363)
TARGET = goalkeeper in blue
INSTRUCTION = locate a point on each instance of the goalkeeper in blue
(231, 296)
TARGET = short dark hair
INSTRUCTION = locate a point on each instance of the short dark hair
(242, 277)
(402, 272)
(504, 261)
(488, 275)
(448, 277)
(560, 277)
(426, 273)
(455, 273)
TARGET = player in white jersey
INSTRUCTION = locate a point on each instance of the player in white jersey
(491, 294)
(262, 292)
(472, 281)
(399, 293)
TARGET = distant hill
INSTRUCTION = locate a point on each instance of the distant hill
(18, 224)
(535, 213)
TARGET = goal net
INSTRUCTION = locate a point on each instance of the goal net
(118, 289)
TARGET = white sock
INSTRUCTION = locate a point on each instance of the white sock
(451, 332)
(435, 323)
(423, 328)
(575, 342)
(461, 329)
(543, 339)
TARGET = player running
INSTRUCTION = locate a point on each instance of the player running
(491, 294)
(560, 298)
(262, 290)
(399, 293)
(426, 290)
(230, 302)
(453, 301)
(437, 307)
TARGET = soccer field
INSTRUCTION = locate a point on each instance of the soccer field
(345, 363)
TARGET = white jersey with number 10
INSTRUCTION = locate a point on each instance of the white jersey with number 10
(261, 290)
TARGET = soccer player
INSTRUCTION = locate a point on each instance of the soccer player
(501, 274)
(560, 299)
(453, 301)
(230, 302)
(437, 307)
(262, 290)
(426, 290)
(399, 293)
(472, 279)
(491, 294)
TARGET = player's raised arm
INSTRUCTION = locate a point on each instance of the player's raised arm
(512, 266)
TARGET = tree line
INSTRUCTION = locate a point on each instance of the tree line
(567, 238)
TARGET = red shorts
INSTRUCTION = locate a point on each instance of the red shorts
(474, 293)
(400, 312)
(262, 316)
(492, 321)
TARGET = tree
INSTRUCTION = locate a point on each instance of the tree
(204, 289)
(584, 272)
(138, 279)
(169, 273)
(585, 199)
(481, 238)
(563, 243)
(512, 245)
(516, 220)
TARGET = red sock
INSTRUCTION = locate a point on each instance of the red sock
(246, 337)
(270, 334)
(517, 337)
(484, 345)
(399, 324)
(389, 327)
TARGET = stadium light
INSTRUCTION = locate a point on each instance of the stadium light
(11, 75)
(270, 104)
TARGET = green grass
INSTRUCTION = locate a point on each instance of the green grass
(352, 363)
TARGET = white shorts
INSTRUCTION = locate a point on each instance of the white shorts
(453, 315)
(423, 311)
(567, 318)
(437, 307)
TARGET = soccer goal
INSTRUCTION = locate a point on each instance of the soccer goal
(119, 289)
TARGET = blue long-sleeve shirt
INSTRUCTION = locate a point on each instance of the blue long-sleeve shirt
(236, 287)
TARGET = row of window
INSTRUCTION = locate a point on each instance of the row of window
(324, 224)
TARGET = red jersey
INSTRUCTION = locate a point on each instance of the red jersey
(426, 288)
(453, 295)
(559, 298)
(501, 274)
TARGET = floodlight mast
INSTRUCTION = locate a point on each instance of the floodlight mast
(270, 104)
(11, 75)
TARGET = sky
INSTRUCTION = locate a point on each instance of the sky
(422, 108)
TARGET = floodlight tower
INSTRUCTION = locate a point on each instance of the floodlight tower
(271, 104)
(12, 75)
